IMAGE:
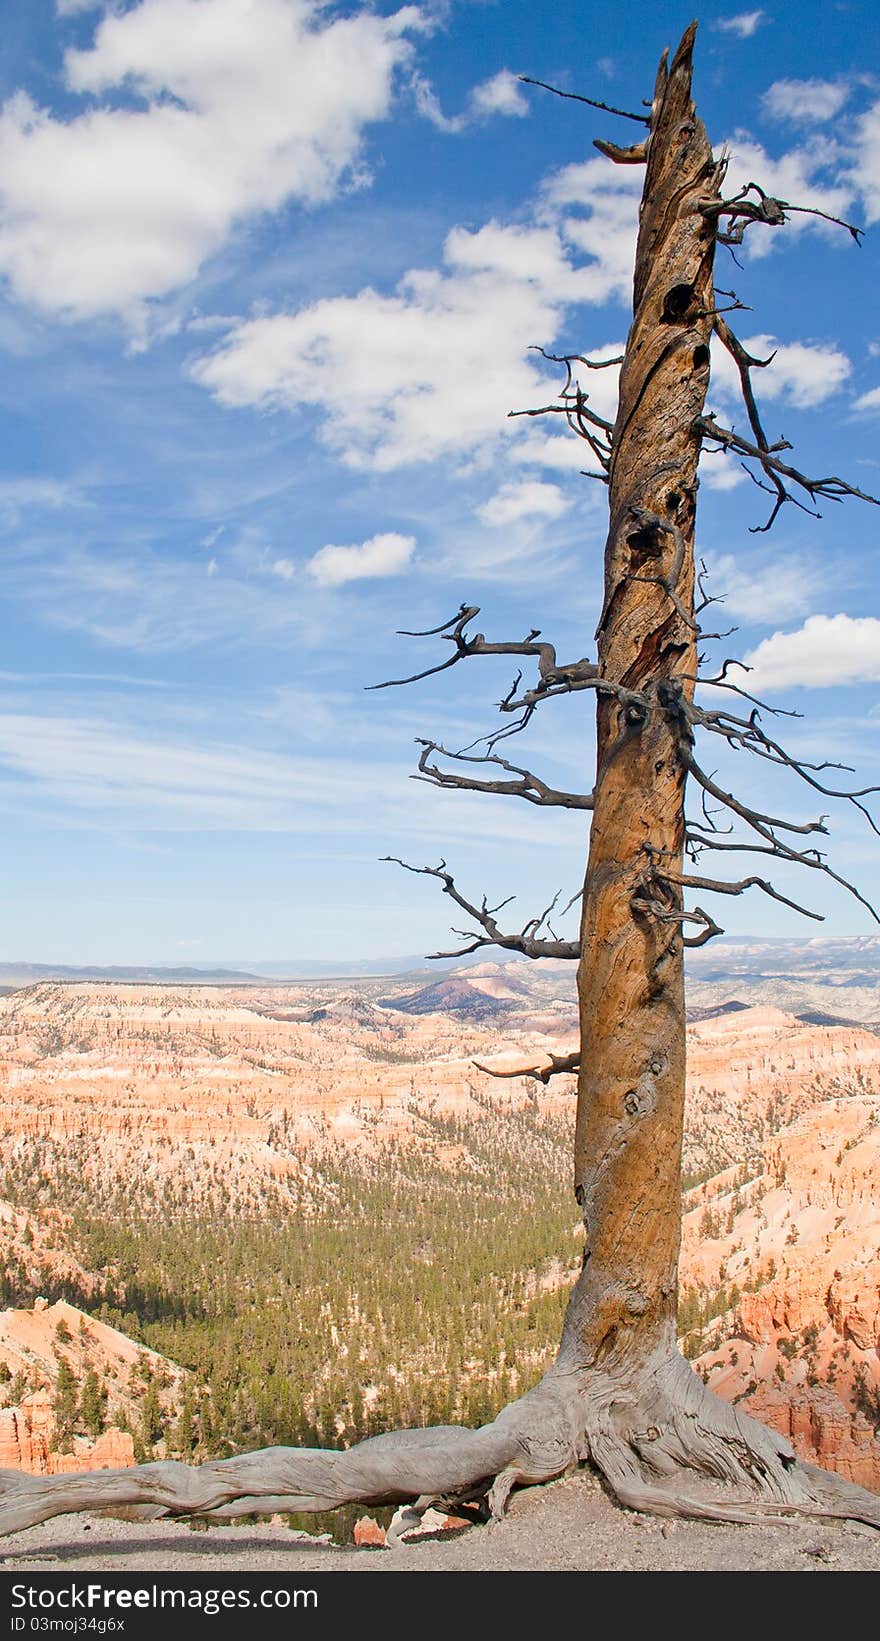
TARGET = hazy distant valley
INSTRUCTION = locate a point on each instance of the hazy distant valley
(298, 1211)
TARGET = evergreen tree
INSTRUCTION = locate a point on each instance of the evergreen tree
(65, 1406)
(93, 1404)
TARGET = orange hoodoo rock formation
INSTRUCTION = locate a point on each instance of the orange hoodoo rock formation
(33, 1343)
(27, 1442)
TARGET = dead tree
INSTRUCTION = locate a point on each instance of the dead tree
(619, 1394)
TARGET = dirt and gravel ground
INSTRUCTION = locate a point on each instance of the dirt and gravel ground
(567, 1526)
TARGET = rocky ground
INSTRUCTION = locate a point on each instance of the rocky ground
(567, 1526)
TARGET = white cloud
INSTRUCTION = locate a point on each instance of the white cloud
(826, 650)
(94, 763)
(141, 600)
(435, 368)
(500, 95)
(720, 471)
(805, 102)
(865, 174)
(560, 451)
(803, 374)
(597, 205)
(383, 555)
(244, 106)
(125, 775)
(432, 370)
(868, 401)
(24, 495)
(284, 568)
(526, 499)
(744, 24)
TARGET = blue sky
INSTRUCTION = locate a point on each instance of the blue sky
(269, 274)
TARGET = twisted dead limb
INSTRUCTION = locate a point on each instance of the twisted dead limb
(556, 1065)
(527, 941)
(524, 785)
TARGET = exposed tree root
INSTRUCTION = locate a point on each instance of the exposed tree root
(641, 1435)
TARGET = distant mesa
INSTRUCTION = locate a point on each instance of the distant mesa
(452, 996)
(713, 1011)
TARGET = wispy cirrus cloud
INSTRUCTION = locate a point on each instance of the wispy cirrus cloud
(103, 769)
(869, 402)
(762, 592)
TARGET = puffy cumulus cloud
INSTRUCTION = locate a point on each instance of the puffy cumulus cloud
(383, 555)
(427, 372)
(434, 368)
(802, 374)
(431, 370)
(242, 105)
(598, 205)
(744, 24)
(826, 650)
(499, 95)
(805, 102)
(523, 500)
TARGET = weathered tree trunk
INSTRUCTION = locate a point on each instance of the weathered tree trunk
(619, 1392)
(631, 976)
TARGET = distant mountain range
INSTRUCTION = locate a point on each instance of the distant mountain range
(226, 974)
(30, 974)
(843, 962)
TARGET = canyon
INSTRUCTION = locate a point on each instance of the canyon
(229, 1102)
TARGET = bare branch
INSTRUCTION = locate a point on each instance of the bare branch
(828, 489)
(569, 359)
(526, 941)
(741, 212)
(753, 817)
(747, 734)
(721, 681)
(636, 154)
(646, 905)
(710, 930)
(719, 886)
(527, 786)
(560, 1064)
(454, 630)
(572, 96)
(765, 826)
